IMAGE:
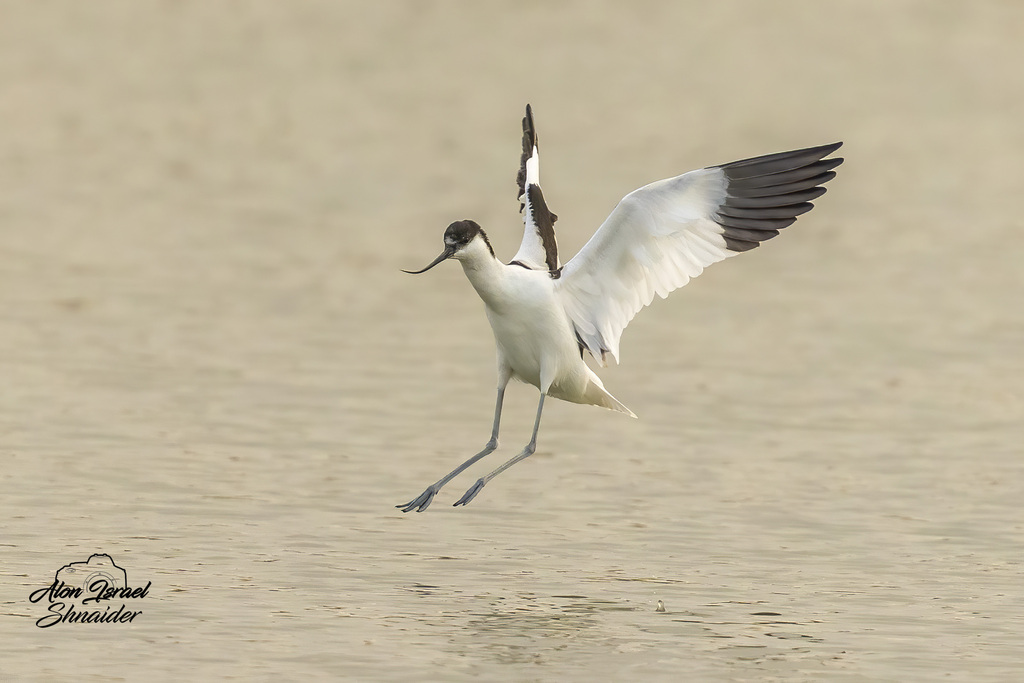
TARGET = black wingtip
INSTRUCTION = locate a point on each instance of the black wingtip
(766, 194)
(529, 142)
(529, 131)
(771, 164)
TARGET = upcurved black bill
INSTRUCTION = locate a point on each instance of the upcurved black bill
(446, 254)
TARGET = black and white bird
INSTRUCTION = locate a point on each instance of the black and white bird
(546, 315)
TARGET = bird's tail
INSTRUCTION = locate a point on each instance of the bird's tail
(597, 395)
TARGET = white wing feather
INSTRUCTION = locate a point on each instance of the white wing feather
(531, 250)
(665, 233)
(654, 241)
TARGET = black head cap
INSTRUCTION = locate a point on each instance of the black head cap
(461, 233)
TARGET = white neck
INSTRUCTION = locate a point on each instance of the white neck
(485, 272)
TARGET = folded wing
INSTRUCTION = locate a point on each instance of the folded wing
(663, 234)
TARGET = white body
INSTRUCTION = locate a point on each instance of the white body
(533, 334)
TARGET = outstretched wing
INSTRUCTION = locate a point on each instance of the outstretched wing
(539, 251)
(660, 236)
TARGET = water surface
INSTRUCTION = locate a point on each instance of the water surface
(214, 372)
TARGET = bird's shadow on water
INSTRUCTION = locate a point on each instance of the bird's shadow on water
(525, 627)
(516, 628)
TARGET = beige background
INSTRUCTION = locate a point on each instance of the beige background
(212, 369)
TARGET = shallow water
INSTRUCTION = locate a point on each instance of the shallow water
(214, 372)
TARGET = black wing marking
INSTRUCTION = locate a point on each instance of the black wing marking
(539, 245)
(765, 194)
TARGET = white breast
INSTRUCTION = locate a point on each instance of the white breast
(532, 332)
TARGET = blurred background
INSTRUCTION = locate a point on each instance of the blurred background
(213, 370)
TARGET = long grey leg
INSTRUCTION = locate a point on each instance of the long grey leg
(526, 453)
(421, 502)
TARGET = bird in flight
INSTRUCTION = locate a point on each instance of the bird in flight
(546, 315)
